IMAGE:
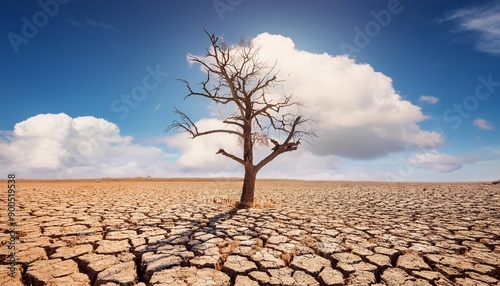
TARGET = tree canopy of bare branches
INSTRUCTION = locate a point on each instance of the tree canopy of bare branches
(236, 77)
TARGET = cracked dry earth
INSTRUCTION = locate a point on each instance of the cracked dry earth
(175, 232)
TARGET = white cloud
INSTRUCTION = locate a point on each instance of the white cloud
(358, 112)
(428, 99)
(483, 124)
(482, 20)
(94, 23)
(58, 146)
(441, 162)
(157, 106)
(102, 25)
(75, 23)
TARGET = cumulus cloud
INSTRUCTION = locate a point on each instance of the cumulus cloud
(441, 162)
(428, 99)
(58, 146)
(358, 112)
(483, 124)
(484, 21)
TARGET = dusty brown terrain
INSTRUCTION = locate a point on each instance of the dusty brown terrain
(180, 232)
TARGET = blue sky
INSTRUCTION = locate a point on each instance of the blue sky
(65, 64)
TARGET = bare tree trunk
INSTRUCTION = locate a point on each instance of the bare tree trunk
(247, 194)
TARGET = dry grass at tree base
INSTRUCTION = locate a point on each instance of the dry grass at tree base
(258, 203)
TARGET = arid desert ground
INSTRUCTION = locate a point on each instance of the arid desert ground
(185, 232)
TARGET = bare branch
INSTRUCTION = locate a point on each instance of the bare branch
(228, 131)
(221, 151)
(227, 121)
(211, 94)
(278, 148)
(187, 125)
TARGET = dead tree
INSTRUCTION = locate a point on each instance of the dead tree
(236, 77)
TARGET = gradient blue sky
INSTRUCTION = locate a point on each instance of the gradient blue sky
(84, 56)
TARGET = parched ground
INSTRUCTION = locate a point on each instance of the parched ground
(184, 232)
